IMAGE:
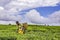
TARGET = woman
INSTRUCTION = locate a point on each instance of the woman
(19, 26)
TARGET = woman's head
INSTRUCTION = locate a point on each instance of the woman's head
(17, 22)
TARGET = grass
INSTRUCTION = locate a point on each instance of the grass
(33, 32)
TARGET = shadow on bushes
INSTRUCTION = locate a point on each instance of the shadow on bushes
(8, 38)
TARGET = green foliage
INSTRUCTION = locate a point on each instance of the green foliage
(8, 38)
(33, 32)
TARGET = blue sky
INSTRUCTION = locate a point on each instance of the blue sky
(45, 11)
(30, 11)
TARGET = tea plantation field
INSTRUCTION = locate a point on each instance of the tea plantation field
(33, 32)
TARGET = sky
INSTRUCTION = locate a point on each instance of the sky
(30, 11)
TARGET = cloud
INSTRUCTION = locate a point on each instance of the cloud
(35, 17)
(1, 8)
(7, 22)
(26, 4)
(10, 9)
(4, 2)
(9, 15)
(33, 3)
(55, 17)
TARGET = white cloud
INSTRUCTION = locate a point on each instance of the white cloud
(10, 15)
(1, 8)
(10, 8)
(25, 4)
(35, 17)
(7, 22)
(4, 2)
(55, 17)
